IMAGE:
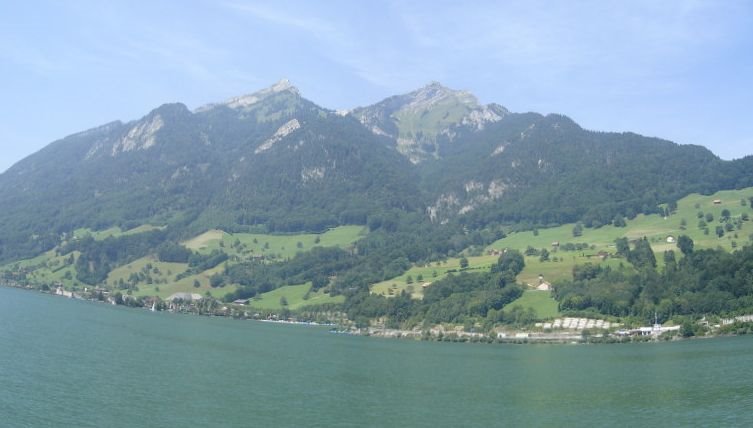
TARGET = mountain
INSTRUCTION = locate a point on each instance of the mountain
(489, 165)
(270, 158)
(274, 161)
(419, 120)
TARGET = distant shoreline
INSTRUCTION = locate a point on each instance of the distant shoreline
(515, 337)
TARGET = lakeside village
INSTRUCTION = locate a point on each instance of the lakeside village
(559, 330)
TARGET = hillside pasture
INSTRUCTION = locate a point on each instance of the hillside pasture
(274, 247)
(296, 297)
(656, 228)
(541, 302)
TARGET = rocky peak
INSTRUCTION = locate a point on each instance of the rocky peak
(244, 101)
(435, 93)
(417, 119)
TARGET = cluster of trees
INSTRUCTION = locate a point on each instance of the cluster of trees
(701, 282)
(98, 258)
(462, 298)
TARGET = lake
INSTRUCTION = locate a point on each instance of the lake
(66, 362)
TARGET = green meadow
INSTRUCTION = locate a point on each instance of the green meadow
(541, 302)
(247, 245)
(155, 278)
(416, 277)
(294, 297)
(656, 228)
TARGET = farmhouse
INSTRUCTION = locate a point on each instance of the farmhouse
(717, 201)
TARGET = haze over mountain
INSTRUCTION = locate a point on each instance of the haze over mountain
(275, 161)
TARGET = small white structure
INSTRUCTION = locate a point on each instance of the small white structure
(184, 296)
(670, 239)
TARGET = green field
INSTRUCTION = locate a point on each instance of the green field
(113, 231)
(540, 301)
(162, 278)
(239, 246)
(429, 273)
(49, 268)
(247, 245)
(295, 296)
(654, 227)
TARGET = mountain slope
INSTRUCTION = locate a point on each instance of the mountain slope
(273, 161)
(270, 158)
(417, 121)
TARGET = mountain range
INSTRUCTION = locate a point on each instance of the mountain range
(274, 161)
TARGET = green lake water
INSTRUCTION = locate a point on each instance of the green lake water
(73, 363)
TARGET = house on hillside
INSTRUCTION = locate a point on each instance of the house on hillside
(670, 239)
(717, 201)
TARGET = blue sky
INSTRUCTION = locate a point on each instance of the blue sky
(680, 70)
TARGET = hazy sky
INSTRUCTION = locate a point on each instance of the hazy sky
(680, 70)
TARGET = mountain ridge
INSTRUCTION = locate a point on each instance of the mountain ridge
(274, 160)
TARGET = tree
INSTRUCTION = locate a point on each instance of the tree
(623, 247)
(196, 283)
(619, 221)
(670, 264)
(709, 217)
(685, 244)
(216, 280)
(578, 230)
(686, 329)
(725, 215)
(463, 263)
(409, 279)
(544, 255)
(283, 301)
(642, 256)
(719, 231)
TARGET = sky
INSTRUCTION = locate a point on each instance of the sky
(679, 70)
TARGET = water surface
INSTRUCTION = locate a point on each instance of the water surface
(73, 363)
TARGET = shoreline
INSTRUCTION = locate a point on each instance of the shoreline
(435, 334)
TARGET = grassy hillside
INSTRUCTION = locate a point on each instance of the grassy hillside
(540, 301)
(296, 297)
(655, 227)
(245, 245)
(426, 274)
(155, 278)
